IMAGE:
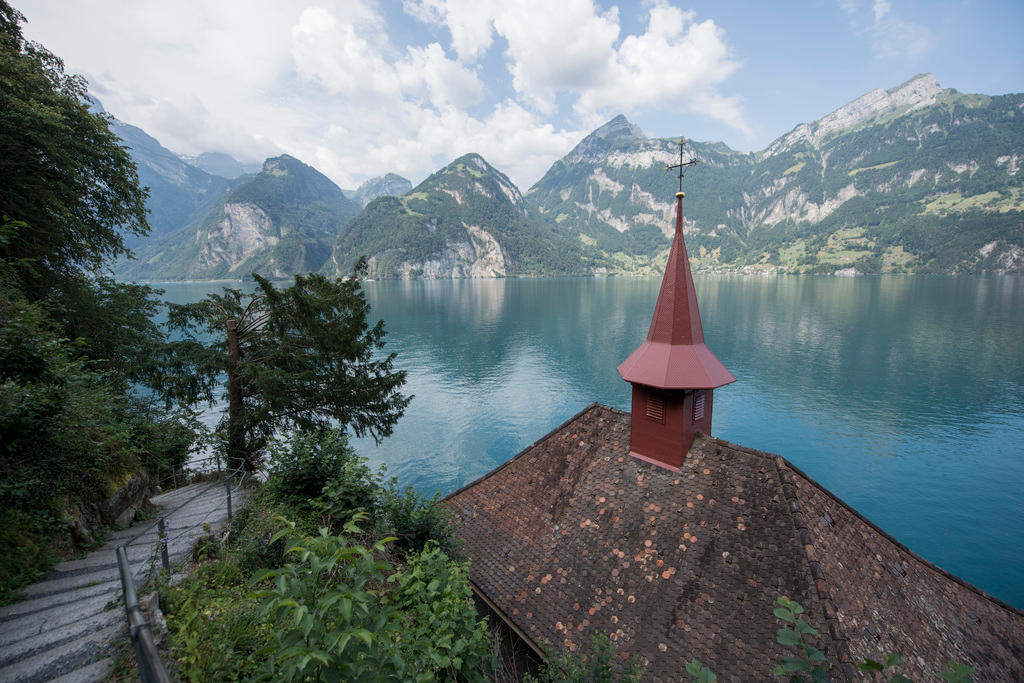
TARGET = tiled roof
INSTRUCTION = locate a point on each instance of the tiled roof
(573, 536)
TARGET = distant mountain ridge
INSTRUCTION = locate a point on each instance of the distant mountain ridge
(913, 179)
(221, 164)
(279, 222)
(388, 185)
(466, 220)
(179, 193)
(916, 178)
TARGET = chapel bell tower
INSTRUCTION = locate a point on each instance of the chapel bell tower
(673, 372)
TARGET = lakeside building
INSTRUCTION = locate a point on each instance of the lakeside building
(677, 544)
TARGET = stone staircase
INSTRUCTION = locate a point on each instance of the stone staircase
(63, 627)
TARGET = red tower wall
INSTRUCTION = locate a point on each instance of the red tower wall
(666, 441)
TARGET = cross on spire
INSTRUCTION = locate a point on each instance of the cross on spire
(682, 166)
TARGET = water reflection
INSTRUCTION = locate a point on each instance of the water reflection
(904, 395)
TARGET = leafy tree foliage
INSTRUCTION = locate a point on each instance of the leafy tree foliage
(303, 358)
(69, 437)
(305, 591)
(73, 344)
(65, 173)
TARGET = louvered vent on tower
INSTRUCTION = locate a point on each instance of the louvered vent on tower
(655, 409)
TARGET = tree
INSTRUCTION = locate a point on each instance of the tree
(64, 171)
(302, 357)
(69, 192)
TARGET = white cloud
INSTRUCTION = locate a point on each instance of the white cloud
(895, 38)
(571, 48)
(447, 82)
(892, 37)
(353, 90)
(676, 62)
(337, 55)
(468, 22)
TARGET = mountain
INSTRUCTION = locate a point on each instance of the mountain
(221, 164)
(390, 185)
(179, 193)
(281, 221)
(612, 192)
(466, 220)
(917, 178)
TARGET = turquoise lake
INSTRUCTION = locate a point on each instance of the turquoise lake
(903, 395)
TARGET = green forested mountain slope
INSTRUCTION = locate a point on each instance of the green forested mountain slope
(179, 193)
(466, 220)
(913, 179)
(279, 222)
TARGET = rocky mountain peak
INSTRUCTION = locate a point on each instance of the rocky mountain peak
(220, 164)
(619, 127)
(614, 133)
(280, 165)
(920, 91)
(388, 185)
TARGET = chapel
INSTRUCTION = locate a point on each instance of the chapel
(645, 527)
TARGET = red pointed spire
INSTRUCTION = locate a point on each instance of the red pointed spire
(674, 355)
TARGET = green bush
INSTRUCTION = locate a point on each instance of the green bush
(416, 520)
(252, 535)
(440, 625)
(595, 663)
(215, 626)
(335, 620)
(306, 464)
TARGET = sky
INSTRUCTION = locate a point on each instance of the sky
(358, 88)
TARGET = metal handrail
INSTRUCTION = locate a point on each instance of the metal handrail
(151, 668)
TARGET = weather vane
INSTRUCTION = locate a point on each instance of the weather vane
(682, 166)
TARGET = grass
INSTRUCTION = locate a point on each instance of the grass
(956, 202)
(873, 168)
(895, 259)
(845, 246)
(795, 168)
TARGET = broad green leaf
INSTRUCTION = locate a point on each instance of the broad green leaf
(785, 636)
(892, 659)
(791, 664)
(784, 614)
(871, 665)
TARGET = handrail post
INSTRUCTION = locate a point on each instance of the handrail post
(151, 668)
(164, 559)
(227, 487)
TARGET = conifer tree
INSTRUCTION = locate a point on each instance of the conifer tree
(303, 358)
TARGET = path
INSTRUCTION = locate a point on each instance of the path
(61, 628)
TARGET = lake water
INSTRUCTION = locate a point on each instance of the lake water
(903, 395)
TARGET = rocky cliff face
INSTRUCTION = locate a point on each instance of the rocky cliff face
(921, 91)
(244, 231)
(279, 222)
(480, 256)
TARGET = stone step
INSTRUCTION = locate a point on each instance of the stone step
(63, 624)
(53, 617)
(66, 582)
(110, 589)
(97, 671)
(62, 659)
(66, 633)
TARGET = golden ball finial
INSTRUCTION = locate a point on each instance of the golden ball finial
(680, 194)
